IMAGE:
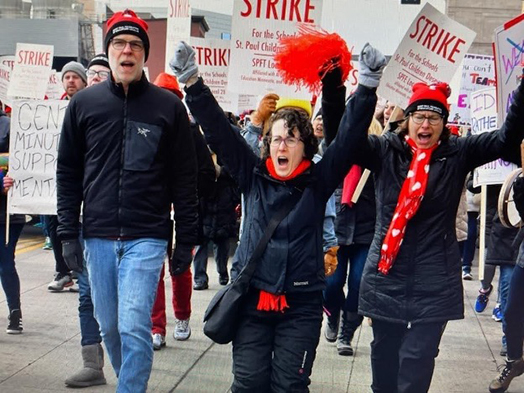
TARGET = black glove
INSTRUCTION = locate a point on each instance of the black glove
(518, 196)
(181, 259)
(332, 79)
(73, 254)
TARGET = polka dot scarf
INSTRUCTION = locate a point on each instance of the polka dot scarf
(411, 195)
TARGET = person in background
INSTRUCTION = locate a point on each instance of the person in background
(126, 156)
(92, 372)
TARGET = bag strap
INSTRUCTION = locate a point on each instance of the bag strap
(277, 218)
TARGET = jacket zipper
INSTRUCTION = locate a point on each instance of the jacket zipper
(120, 180)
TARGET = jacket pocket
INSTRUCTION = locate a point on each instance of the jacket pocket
(141, 145)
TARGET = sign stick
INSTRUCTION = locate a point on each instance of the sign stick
(482, 233)
(7, 221)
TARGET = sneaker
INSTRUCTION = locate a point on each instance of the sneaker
(509, 371)
(159, 341)
(200, 286)
(182, 329)
(15, 322)
(331, 330)
(483, 299)
(497, 314)
(344, 347)
(467, 276)
(223, 279)
(60, 282)
(47, 245)
(74, 287)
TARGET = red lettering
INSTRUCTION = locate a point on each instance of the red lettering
(444, 45)
(431, 33)
(455, 49)
(309, 7)
(248, 11)
(207, 56)
(291, 10)
(271, 6)
(259, 8)
(294, 9)
(428, 22)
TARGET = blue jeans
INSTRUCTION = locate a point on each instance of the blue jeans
(506, 272)
(350, 258)
(89, 329)
(8, 273)
(124, 277)
(328, 228)
(514, 314)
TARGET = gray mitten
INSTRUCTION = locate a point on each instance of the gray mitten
(183, 62)
(372, 63)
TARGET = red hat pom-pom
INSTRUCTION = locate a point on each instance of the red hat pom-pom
(301, 59)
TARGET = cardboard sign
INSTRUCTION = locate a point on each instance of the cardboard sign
(477, 72)
(33, 150)
(6, 69)
(484, 119)
(257, 26)
(31, 71)
(430, 52)
(55, 88)
(178, 27)
(509, 60)
(212, 57)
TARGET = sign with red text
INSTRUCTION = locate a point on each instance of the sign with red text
(509, 60)
(484, 119)
(33, 150)
(212, 57)
(430, 52)
(178, 27)
(6, 68)
(55, 88)
(477, 72)
(257, 26)
(31, 71)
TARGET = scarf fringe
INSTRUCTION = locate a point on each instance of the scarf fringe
(270, 302)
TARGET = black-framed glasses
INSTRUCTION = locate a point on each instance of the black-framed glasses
(289, 141)
(101, 74)
(119, 44)
(419, 118)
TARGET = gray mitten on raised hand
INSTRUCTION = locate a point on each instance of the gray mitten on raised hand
(372, 63)
(183, 62)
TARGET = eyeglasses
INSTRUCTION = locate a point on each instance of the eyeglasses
(290, 141)
(101, 74)
(136, 46)
(420, 118)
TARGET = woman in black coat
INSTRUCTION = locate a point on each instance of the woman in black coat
(412, 284)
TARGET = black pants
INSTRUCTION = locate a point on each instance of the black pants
(402, 359)
(273, 352)
(52, 226)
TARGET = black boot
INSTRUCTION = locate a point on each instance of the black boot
(349, 324)
(331, 330)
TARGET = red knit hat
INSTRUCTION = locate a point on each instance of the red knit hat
(168, 82)
(127, 22)
(429, 98)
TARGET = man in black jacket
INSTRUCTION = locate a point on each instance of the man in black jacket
(127, 153)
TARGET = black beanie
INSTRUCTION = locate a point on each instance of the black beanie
(100, 59)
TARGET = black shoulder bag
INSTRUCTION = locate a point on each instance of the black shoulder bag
(222, 315)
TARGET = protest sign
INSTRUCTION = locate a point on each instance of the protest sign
(55, 88)
(33, 149)
(509, 60)
(247, 102)
(31, 71)
(212, 57)
(6, 68)
(476, 72)
(257, 26)
(178, 27)
(484, 119)
(430, 52)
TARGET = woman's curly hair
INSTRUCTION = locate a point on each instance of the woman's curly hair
(293, 119)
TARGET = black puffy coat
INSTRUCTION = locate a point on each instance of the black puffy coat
(293, 259)
(425, 284)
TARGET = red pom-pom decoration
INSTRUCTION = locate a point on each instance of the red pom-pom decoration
(303, 59)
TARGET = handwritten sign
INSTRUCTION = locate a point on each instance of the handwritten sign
(31, 71)
(430, 52)
(35, 133)
(477, 72)
(509, 60)
(257, 26)
(178, 27)
(212, 57)
(484, 119)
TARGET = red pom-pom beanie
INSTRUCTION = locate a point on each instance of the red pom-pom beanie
(429, 98)
(127, 22)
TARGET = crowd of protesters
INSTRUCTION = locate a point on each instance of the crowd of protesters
(141, 179)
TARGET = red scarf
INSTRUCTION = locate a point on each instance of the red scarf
(411, 195)
(350, 184)
(269, 301)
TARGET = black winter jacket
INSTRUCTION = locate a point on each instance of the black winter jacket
(128, 158)
(293, 260)
(425, 284)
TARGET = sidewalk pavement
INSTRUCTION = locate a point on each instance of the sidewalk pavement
(40, 359)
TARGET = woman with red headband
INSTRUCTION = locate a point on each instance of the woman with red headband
(412, 283)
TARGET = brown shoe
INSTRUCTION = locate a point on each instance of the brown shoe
(511, 370)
